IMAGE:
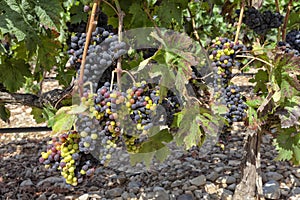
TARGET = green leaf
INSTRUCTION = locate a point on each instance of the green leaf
(49, 14)
(219, 109)
(77, 109)
(194, 137)
(4, 113)
(77, 14)
(189, 133)
(287, 145)
(261, 78)
(38, 115)
(162, 136)
(151, 2)
(254, 103)
(296, 152)
(139, 17)
(142, 157)
(13, 72)
(47, 52)
(63, 121)
(49, 114)
(171, 10)
(284, 155)
(162, 154)
(13, 20)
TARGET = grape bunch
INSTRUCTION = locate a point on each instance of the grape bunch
(144, 111)
(76, 28)
(63, 154)
(288, 49)
(235, 103)
(102, 54)
(223, 57)
(78, 42)
(107, 103)
(292, 43)
(261, 23)
(293, 38)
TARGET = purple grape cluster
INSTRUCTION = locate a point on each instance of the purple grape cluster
(262, 22)
(292, 43)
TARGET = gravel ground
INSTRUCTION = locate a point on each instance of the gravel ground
(184, 176)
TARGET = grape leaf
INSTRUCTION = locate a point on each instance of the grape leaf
(77, 14)
(296, 152)
(170, 10)
(47, 52)
(194, 137)
(12, 18)
(49, 14)
(287, 91)
(153, 147)
(49, 114)
(162, 154)
(38, 115)
(13, 72)
(287, 145)
(139, 17)
(261, 78)
(4, 113)
(63, 121)
(189, 132)
(142, 157)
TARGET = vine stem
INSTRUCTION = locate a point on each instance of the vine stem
(278, 10)
(197, 35)
(109, 4)
(86, 46)
(286, 19)
(152, 20)
(240, 22)
(255, 58)
(121, 15)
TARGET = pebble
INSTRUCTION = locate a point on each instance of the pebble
(271, 190)
(209, 177)
(225, 194)
(51, 180)
(176, 183)
(273, 176)
(212, 176)
(231, 187)
(26, 183)
(42, 197)
(210, 188)
(226, 179)
(115, 192)
(185, 197)
(218, 169)
(198, 181)
(83, 197)
(161, 195)
(234, 163)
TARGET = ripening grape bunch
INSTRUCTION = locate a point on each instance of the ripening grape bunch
(63, 154)
(223, 58)
(262, 22)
